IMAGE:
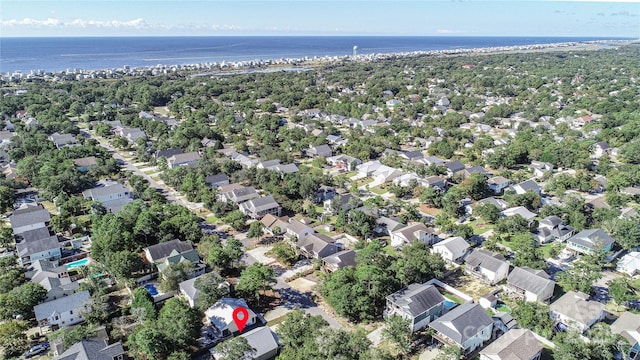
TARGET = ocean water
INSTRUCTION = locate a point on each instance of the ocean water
(92, 53)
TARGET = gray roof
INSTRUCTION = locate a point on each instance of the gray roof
(415, 299)
(485, 259)
(212, 179)
(33, 235)
(462, 323)
(454, 166)
(529, 279)
(100, 191)
(627, 325)
(320, 149)
(261, 204)
(516, 344)
(551, 221)
(62, 139)
(29, 216)
(61, 305)
(85, 161)
(37, 246)
(592, 238)
(315, 243)
(342, 259)
(114, 206)
(454, 244)
(285, 168)
(390, 223)
(263, 340)
(497, 180)
(167, 153)
(529, 185)
(575, 305)
(184, 157)
(499, 203)
(414, 231)
(189, 287)
(162, 250)
(92, 349)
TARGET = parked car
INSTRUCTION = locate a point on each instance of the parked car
(36, 350)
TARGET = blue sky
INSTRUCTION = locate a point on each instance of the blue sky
(306, 17)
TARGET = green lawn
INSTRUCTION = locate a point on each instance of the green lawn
(277, 320)
(453, 298)
(212, 219)
(390, 250)
(149, 172)
(479, 227)
(365, 181)
(378, 191)
(349, 174)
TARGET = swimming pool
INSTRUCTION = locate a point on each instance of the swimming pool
(77, 263)
(448, 304)
(151, 289)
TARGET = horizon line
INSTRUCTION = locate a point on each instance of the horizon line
(324, 35)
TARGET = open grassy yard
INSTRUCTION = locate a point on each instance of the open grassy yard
(479, 227)
(378, 191)
(468, 284)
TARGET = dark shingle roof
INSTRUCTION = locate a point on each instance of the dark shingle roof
(416, 298)
(162, 250)
(516, 344)
(28, 216)
(485, 259)
(92, 349)
(529, 279)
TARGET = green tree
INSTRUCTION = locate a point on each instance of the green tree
(125, 264)
(211, 288)
(236, 219)
(237, 348)
(147, 343)
(526, 252)
(6, 198)
(179, 323)
(417, 264)
(298, 330)
(13, 338)
(621, 290)
(489, 212)
(254, 279)
(583, 272)
(142, 305)
(398, 330)
(285, 253)
(255, 230)
(534, 316)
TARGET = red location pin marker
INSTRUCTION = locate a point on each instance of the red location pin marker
(240, 317)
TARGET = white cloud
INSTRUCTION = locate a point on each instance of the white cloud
(76, 23)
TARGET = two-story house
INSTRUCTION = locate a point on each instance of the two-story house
(62, 312)
(220, 316)
(419, 303)
(298, 229)
(411, 233)
(467, 326)
(487, 266)
(319, 151)
(113, 196)
(256, 208)
(316, 246)
(552, 228)
(628, 326)
(497, 184)
(184, 159)
(29, 218)
(172, 252)
(452, 249)
(587, 241)
(530, 285)
(339, 260)
(575, 310)
(37, 244)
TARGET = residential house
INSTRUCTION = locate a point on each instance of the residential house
(419, 303)
(113, 196)
(409, 234)
(526, 186)
(497, 184)
(474, 170)
(37, 244)
(85, 163)
(263, 341)
(629, 264)
(489, 267)
(368, 168)
(574, 310)
(167, 153)
(344, 202)
(55, 279)
(452, 249)
(339, 260)
(177, 257)
(316, 246)
(502, 321)
(628, 326)
(499, 203)
(454, 167)
(386, 225)
(433, 160)
(519, 210)
(93, 349)
(268, 164)
(323, 151)
(63, 140)
(220, 316)
(530, 285)
(190, 291)
(237, 193)
(631, 191)
(131, 134)
(274, 225)
(586, 241)
(540, 168)
(343, 162)
(325, 193)
(517, 344)
(298, 229)
(256, 208)
(29, 218)
(406, 179)
(63, 312)
(385, 174)
(467, 326)
(218, 180)
(158, 253)
(184, 159)
(435, 182)
(552, 228)
(601, 148)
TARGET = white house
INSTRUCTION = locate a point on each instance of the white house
(112, 195)
(262, 340)
(575, 311)
(601, 148)
(497, 184)
(29, 218)
(220, 316)
(62, 312)
(489, 267)
(408, 234)
(629, 264)
(452, 249)
(516, 344)
(298, 229)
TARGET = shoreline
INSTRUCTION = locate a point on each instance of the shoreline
(293, 64)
